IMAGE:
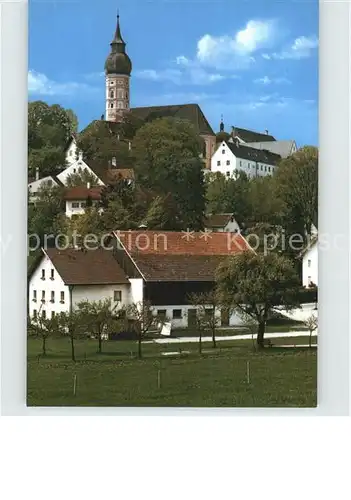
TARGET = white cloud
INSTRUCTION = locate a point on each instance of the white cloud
(40, 84)
(228, 52)
(301, 48)
(265, 80)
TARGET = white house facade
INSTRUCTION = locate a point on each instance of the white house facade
(231, 158)
(72, 151)
(222, 223)
(76, 167)
(310, 265)
(78, 198)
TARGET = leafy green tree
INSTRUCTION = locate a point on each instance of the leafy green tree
(297, 186)
(99, 318)
(49, 128)
(228, 195)
(43, 328)
(252, 284)
(265, 204)
(207, 320)
(144, 320)
(81, 178)
(72, 325)
(167, 160)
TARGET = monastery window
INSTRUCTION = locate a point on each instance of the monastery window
(228, 162)
(261, 167)
(241, 163)
(52, 296)
(43, 274)
(309, 263)
(74, 170)
(43, 296)
(177, 313)
(52, 314)
(62, 297)
(117, 296)
(34, 295)
(265, 168)
(52, 274)
(269, 169)
(218, 163)
(43, 314)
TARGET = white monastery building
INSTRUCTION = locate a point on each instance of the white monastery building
(231, 158)
(310, 264)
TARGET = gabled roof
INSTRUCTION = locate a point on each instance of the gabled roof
(109, 174)
(189, 112)
(250, 135)
(89, 267)
(179, 256)
(218, 220)
(82, 193)
(282, 148)
(258, 155)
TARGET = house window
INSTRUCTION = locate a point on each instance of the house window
(269, 169)
(161, 313)
(117, 296)
(228, 162)
(209, 312)
(261, 167)
(83, 204)
(52, 274)
(43, 274)
(75, 204)
(52, 314)
(223, 151)
(34, 295)
(52, 296)
(35, 313)
(43, 296)
(228, 174)
(62, 297)
(241, 163)
(43, 314)
(177, 313)
(265, 168)
(309, 263)
(218, 163)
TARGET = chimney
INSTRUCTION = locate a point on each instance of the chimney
(37, 176)
(266, 132)
(88, 185)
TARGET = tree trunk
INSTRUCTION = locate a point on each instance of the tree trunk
(260, 334)
(139, 345)
(200, 341)
(214, 339)
(72, 348)
(310, 339)
(100, 342)
(44, 346)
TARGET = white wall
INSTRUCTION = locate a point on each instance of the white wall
(136, 290)
(40, 183)
(310, 266)
(73, 169)
(93, 293)
(73, 209)
(48, 285)
(182, 322)
(223, 155)
(72, 152)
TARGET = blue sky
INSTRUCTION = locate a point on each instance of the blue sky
(254, 61)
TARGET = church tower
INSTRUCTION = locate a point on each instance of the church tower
(118, 68)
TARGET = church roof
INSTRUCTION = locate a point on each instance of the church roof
(250, 135)
(189, 112)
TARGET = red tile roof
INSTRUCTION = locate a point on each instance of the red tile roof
(89, 267)
(181, 243)
(82, 193)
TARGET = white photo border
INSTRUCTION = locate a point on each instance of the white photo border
(334, 213)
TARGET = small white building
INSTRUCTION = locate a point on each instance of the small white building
(310, 264)
(64, 277)
(78, 198)
(231, 158)
(37, 184)
(72, 151)
(75, 168)
(223, 223)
